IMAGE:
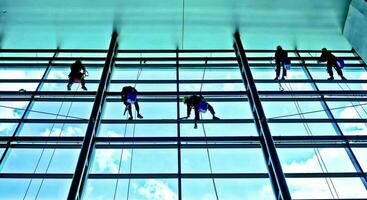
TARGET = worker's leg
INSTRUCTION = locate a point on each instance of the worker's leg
(211, 110)
(197, 117)
(284, 71)
(128, 109)
(82, 82)
(70, 83)
(277, 70)
(329, 70)
(137, 108)
(338, 70)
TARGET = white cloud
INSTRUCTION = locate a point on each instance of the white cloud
(336, 161)
(9, 113)
(108, 160)
(156, 190)
(68, 131)
(352, 128)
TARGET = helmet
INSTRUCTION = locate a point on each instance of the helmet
(323, 50)
(279, 47)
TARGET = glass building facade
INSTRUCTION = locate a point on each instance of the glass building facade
(304, 136)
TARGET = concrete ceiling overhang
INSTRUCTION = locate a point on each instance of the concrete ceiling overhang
(165, 24)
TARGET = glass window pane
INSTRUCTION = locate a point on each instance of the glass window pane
(53, 109)
(353, 128)
(224, 110)
(315, 160)
(22, 73)
(361, 154)
(7, 129)
(298, 129)
(223, 161)
(50, 188)
(150, 110)
(292, 110)
(144, 73)
(321, 188)
(210, 73)
(165, 189)
(117, 160)
(138, 130)
(235, 189)
(40, 161)
(213, 129)
(56, 129)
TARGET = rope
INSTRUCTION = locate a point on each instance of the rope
(131, 162)
(315, 111)
(183, 24)
(210, 164)
(202, 78)
(54, 150)
(41, 112)
(121, 155)
(206, 142)
(132, 150)
(320, 160)
(355, 106)
(276, 117)
(42, 152)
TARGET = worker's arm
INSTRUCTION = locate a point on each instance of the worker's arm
(188, 111)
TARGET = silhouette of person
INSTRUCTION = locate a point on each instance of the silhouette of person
(327, 56)
(77, 74)
(199, 105)
(129, 96)
(280, 57)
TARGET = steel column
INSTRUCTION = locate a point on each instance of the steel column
(179, 177)
(81, 169)
(267, 144)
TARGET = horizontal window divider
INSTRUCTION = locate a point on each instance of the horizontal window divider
(162, 51)
(182, 121)
(291, 94)
(212, 81)
(329, 141)
(173, 99)
(173, 58)
(175, 175)
(224, 66)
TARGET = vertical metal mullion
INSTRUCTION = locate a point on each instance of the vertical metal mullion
(81, 169)
(267, 144)
(26, 110)
(178, 127)
(335, 124)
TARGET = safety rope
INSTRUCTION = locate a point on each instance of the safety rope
(41, 112)
(206, 142)
(131, 161)
(276, 117)
(54, 150)
(320, 160)
(353, 105)
(120, 162)
(42, 152)
(132, 149)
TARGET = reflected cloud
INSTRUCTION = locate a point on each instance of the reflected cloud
(156, 190)
(318, 187)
